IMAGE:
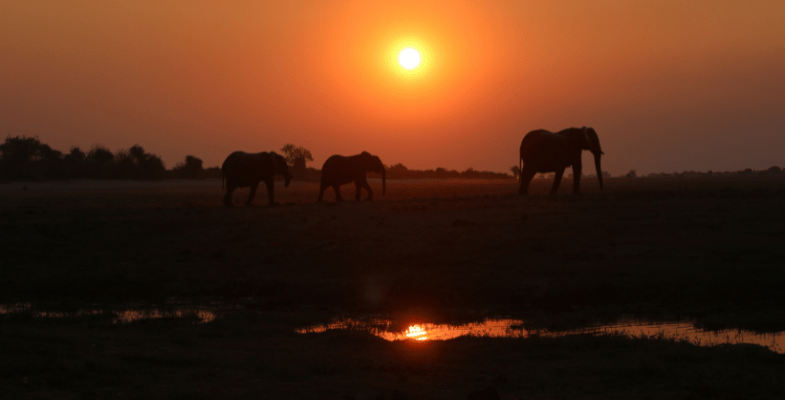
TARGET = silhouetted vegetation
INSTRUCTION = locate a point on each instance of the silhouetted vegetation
(190, 169)
(747, 172)
(296, 156)
(26, 158)
(399, 171)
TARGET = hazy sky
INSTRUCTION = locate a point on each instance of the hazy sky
(668, 85)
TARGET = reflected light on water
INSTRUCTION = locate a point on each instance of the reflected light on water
(416, 332)
(512, 328)
(120, 317)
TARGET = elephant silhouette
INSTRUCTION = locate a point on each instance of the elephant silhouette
(339, 170)
(241, 169)
(544, 151)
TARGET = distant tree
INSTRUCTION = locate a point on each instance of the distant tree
(296, 156)
(398, 170)
(137, 164)
(212, 173)
(99, 162)
(606, 174)
(124, 166)
(632, 174)
(440, 173)
(153, 167)
(516, 170)
(74, 163)
(775, 170)
(471, 173)
(20, 149)
(49, 165)
(76, 155)
(23, 157)
(190, 169)
(15, 155)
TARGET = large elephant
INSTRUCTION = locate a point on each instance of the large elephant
(338, 170)
(544, 151)
(242, 169)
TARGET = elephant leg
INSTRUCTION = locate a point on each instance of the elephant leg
(526, 178)
(363, 184)
(322, 188)
(228, 198)
(576, 178)
(270, 191)
(251, 195)
(557, 180)
(337, 189)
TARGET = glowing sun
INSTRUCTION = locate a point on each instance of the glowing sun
(409, 58)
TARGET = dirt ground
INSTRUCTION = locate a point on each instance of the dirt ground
(708, 250)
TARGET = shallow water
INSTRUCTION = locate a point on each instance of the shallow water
(512, 328)
(500, 328)
(120, 316)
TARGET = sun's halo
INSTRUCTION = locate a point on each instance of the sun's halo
(409, 58)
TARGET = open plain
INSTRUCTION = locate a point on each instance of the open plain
(708, 250)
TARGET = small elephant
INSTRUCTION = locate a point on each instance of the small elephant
(544, 151)
(242, 169)
(338, 170)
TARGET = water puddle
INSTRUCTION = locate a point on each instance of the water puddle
(119, 316)
(498, 328)
(511, 328)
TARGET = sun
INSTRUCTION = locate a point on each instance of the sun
(409, 58)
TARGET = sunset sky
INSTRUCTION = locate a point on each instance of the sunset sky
(668, 85)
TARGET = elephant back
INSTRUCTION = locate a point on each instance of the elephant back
(530, 139)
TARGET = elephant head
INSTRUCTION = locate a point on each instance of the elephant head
(592, 143)
(374, 164)
(281, 167)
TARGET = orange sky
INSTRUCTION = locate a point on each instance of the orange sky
(668, 85)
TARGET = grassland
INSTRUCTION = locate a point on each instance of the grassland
(708, 250)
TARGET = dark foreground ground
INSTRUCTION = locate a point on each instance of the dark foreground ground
(706, 250)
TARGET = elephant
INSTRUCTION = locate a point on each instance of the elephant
(338, 170)
(243, 169)
(544, 151)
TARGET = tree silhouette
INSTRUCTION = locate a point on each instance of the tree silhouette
(99, 162)
(74, 163)
(23, 157)
(136, 164)
(190, 169)
(296, 156)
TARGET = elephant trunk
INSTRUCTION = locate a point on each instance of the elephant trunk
(597, 157)
(384, 177)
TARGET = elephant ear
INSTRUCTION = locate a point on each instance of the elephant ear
(586, 138)
(280, 164)
(593, 140)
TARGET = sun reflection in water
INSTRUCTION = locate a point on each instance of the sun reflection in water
(416, 332)
(512, 328)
